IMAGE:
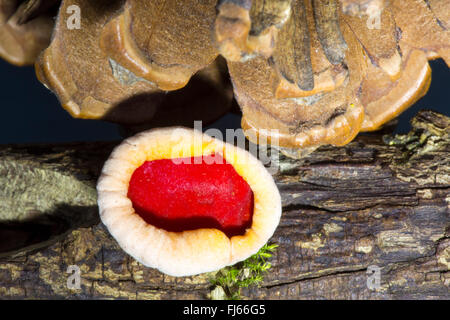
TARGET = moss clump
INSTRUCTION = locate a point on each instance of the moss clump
(229, 281)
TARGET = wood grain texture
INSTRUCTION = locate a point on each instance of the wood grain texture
(380, 200)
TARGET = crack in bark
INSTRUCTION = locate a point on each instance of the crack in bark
(312, 277)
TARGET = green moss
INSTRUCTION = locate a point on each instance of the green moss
(229, 281)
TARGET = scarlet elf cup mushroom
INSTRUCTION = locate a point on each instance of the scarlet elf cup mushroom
(186, 203)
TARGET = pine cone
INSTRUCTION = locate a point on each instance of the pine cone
(304, 72)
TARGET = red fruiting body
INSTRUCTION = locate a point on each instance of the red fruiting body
(192, 193)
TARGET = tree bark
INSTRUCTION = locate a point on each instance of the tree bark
(378, 202)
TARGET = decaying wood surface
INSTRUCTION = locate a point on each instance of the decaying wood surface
(378, 201)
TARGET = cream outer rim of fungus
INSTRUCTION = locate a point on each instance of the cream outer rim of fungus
(193, 251)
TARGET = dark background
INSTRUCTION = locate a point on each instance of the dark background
(31, 113)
